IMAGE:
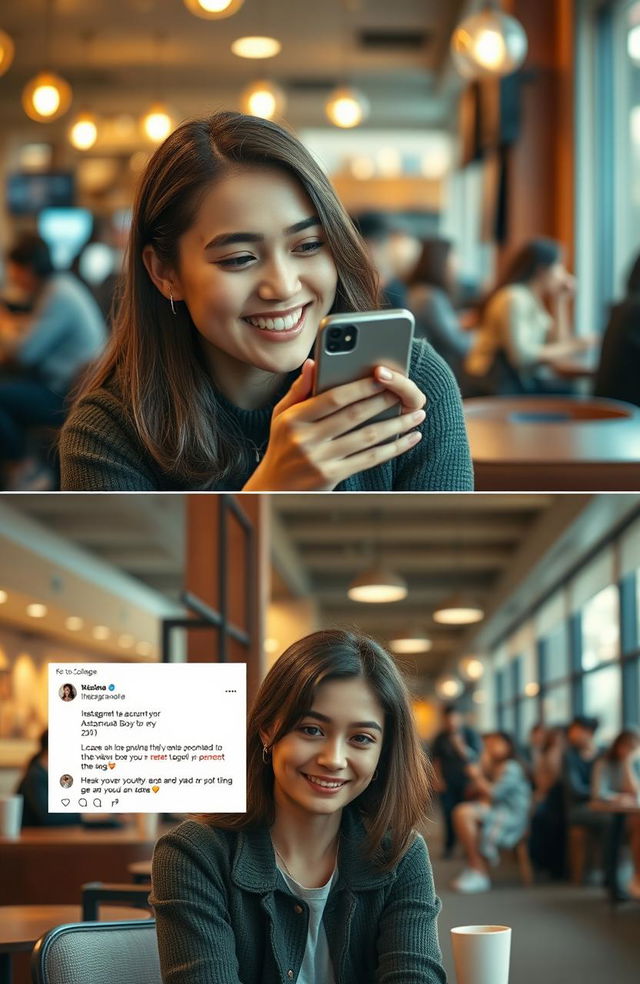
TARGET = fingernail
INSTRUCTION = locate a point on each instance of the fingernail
(415, 436)
(418, 415)
(384, 373)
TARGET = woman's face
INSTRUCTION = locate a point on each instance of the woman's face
(67, 690)
(256, 272)
(497, 748)
(330, 757)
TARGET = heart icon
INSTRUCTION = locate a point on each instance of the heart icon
(112, 765)
(65, 802)
(155, 789)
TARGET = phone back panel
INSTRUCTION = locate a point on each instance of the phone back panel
(383, 339)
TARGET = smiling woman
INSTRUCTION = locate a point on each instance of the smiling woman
(324, 878)
(238, 248)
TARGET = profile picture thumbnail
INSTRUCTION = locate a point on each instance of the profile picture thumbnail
(66, 781)
(67, 692)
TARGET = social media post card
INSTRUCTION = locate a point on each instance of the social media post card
(147, 738)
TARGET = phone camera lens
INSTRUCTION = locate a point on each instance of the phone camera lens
(335, 332)
(332, 347)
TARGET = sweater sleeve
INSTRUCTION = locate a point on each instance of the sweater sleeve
(441, 462)
(407, 944)
(196, 942)
(99, 452)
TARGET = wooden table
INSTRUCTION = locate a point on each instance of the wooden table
(47, 865)
(22, 925)
(140, 871)
(614, 837)
(553, 443)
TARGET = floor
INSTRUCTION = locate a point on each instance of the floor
(561, 934)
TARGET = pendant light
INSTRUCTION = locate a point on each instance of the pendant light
(458, 609)
(449, 687)
(263, 98)
(157, 122)
(7, 51)
(488, 44)
(411, 643)
(213, 9)
(347, 107)
(471, 668)
(83, 131)
(378, 585)
(47, 96)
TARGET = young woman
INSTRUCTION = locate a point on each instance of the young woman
(324, 878)
(238, 248)
(616, 779)
(525, 322)
(499, 815)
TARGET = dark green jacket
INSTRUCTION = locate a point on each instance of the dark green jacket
(225, 915)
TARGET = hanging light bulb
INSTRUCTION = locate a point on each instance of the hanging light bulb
(263, 98)
(471, 668)
(458, 610)
(46, 97)
(157, 124)
(378, 585)
(83, 132)
(213, 9)
(448, 687)
(346, 107)
(489, 43)
(410, 643)
(7, 49)
(256, 47)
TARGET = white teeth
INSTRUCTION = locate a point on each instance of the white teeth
(323, 782)
(276, 324)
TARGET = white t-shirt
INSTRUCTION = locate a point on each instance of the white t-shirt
(514, 321)
(316, 964)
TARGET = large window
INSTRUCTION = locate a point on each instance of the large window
(601, 628)
(602, 698)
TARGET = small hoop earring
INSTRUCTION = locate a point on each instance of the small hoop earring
(266, 754)
(375, 776)
(173, 310)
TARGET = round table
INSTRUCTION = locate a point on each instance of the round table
(553, 443)
(22, 925)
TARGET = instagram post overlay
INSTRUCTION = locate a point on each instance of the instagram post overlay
(140, 738)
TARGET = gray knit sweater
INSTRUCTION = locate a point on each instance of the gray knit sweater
(226, 916)
(100, 450)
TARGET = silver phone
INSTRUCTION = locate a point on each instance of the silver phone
(350, 346)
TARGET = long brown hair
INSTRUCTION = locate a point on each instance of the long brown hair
(153, 358)
(398, 800)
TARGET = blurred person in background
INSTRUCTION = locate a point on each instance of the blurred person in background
(548, 821)
(618, 375)
(430, 286)
(532, 752)
(498, 815)
(41, 354)
(34, 787)
(578, 764)
(523, 323)
(453, 749)
(616, 779)
(379, 231)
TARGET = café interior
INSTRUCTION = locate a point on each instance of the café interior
(447, 131)
(522, 611)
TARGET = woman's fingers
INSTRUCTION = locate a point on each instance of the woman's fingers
(337, 398)
(299, 391)
(373, 434)
(375, 456)
(334, 425)
(406, 390)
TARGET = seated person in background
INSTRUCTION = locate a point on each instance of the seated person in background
(452, 750)
(42, 353)
(429, 299)
(34, 787)
(523, 322)
(618, 374)
(548, 822)
(234, 258)
(532, 753)
(616, 779)
(499, 815)
(577, 776)
(380, 232)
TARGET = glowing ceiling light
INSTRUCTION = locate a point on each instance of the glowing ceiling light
(36, 610)
(489, 43)
(7, 50)
(411, 643)
(532, 689)
(449, 687)
(74, 624)
(256, 46)
(346, 107)
(458, 610)
(101, 632)
(633, 44)
(157, 124)
(378, 585)
(471, 668)
(213, 9)
(83, 132)
(264, 99)
(3, 597)
(46, 97)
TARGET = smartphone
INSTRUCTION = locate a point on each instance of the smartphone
(350, 346)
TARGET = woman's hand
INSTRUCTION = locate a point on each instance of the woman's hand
(313, 445)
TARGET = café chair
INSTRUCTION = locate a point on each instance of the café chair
(95, 894)
(99, 953)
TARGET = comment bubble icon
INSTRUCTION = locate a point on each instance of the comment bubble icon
(97, 802)
(82, 801)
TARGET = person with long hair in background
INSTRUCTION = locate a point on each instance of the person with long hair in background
(324, 878)
(238, 248)
(616, 780)
(524, 323)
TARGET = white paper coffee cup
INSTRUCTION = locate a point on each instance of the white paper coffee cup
(481, 954)
(10, 815)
